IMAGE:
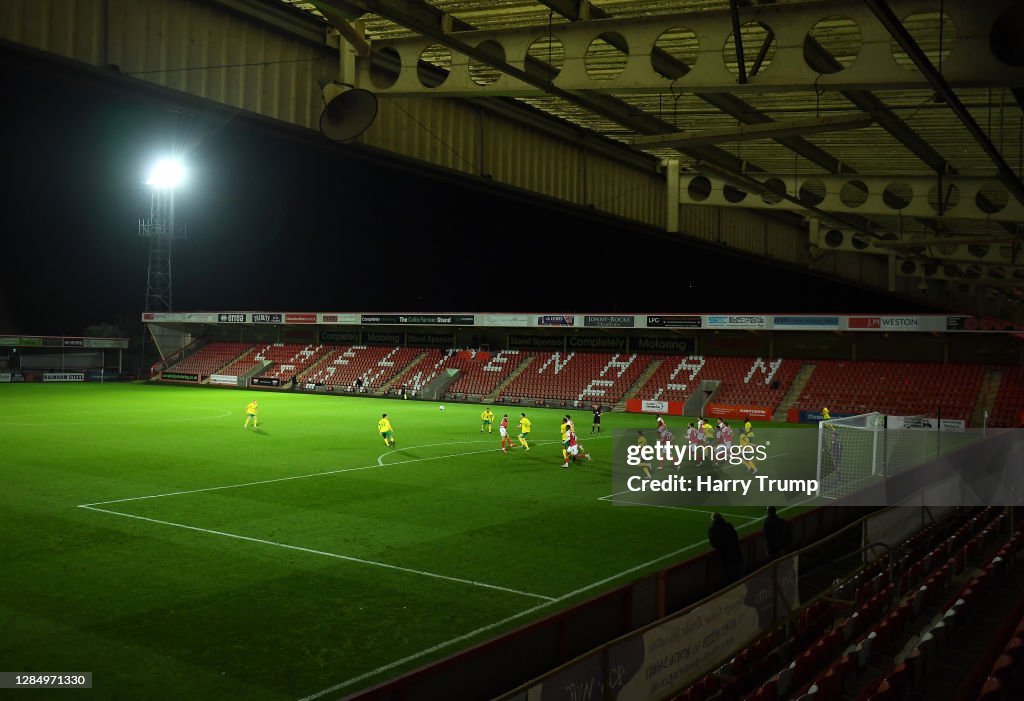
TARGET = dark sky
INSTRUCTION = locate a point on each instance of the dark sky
(279, 223)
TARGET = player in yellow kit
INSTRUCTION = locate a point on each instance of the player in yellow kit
(745, 437)
(250, 413)
(525, 426)
(564, 428)
(486, 419)
(645, 466)
(386, 431)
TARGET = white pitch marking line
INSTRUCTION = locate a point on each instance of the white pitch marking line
(296, 477)
(509, 619)
(337, 556)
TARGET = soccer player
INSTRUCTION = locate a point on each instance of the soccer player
(565, 427)
(596, 426)
(575, 449)
(386, 432)
(746, 424)
(503, 431)
(645, 466)
(745, 437)
(250, 413)
(524, 431)
(837, 454)
(825, 415)
(665, 438)
(486, 419)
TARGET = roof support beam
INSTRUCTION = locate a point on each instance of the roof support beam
(734, 12)
(892, 23)
(766, 130)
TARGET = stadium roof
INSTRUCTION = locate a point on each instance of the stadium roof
(914, 141)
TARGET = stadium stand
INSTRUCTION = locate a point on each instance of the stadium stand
(893, 388)
(482, 373)
(881, 634)
(744, 380)
(211, 358)
(290, 359)
(580, 378)
(1010, 399)
(375, 365)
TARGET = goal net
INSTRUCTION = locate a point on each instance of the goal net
(854, 451)
(849, 453)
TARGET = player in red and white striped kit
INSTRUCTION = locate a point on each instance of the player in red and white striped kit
(575, 449)
(503, 430)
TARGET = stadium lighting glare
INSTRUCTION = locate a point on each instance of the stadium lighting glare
(167, 174)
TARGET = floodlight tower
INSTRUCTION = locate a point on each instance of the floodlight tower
(161, 230)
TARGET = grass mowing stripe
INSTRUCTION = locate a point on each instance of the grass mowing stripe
(324, 553)
(306, 476)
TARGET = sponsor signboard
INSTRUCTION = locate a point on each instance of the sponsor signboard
(672, 344)
(10, 340)
(536, 342)
(739, 411)
(267, 318)
(596, 343)
(610, 321)
(433, 340)
(106, 342)
(811, 323)
(973, 323)
(737, 322)
(381, 338)
(63, 377)
(674, 321)
(52, 342)
(649, 406)
(223, 379)
(232, 318)
(884, 323)
(74, 342)
(556, 320)
(419, 319)
(505, 320)
(348, 337)
(5, 377)
(300, 318)
(813, 417)
(263, 382)
(339, 318)
(180, 376)
(925, 423)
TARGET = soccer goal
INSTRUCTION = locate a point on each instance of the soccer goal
(849, 453)
(856, 450)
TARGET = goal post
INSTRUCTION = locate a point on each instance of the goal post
(851, 452)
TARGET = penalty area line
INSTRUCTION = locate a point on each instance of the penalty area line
(324, 553)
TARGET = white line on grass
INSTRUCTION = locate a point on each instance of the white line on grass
(298, 477)
(324, 553)
(504, 621)
(119, 423)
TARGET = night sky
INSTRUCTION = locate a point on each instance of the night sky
(280, 223)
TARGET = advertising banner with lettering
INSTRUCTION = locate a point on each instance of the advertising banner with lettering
(504, 320)
(973, 323)
(813, 417)
(382, 338)
(300, 318)
(739, 411)
(267, 317)
(648, 406)
(669, 344)
(556, 320)
(264, 382)
(674, 321)
(344, 337)
(886, 323)
(596, 343)
(5, 377)
(232, 318)
(669, 656)
(806, 323)
(610, 321)
(339, 318)
(223, 379)
(553, 343)
(430, 340)
(74, 342)
(737, 322)
(419, 319)
(63, 377)
(180, 376)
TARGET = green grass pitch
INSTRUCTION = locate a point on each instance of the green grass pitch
(302, 557)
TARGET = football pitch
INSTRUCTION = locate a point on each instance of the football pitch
(152, 541)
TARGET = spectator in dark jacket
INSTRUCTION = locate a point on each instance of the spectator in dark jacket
(777, 536)
(726, 542)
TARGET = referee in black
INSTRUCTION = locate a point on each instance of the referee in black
(596, 427)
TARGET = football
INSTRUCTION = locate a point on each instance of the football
(441, 407)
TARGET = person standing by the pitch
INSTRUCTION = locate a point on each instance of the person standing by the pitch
(596, 426)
